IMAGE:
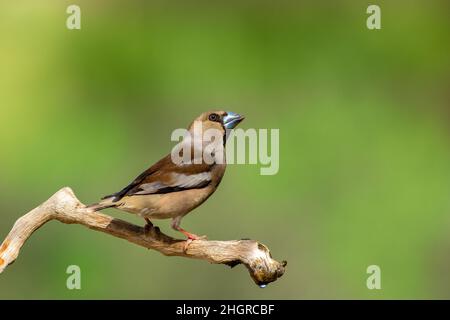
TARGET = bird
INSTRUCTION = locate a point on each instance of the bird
(171, 189)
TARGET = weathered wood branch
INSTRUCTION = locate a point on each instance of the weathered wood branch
(66, 208)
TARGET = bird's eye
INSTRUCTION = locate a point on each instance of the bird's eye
(213, 117)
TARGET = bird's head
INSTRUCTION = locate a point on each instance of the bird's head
(220, 120)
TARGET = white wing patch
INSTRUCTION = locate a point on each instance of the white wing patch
(179, 180)
(152, 187)
(189, 181)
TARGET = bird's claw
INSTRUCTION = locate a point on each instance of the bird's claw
(190, 239)
(148, 226)
(186, 244)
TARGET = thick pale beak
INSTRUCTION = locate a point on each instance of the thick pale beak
(231, 120)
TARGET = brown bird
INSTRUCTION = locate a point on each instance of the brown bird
(171, 190)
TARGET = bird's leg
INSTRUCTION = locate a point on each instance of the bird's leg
(190, 236)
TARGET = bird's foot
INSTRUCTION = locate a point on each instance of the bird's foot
(148, 226)
(190, 239)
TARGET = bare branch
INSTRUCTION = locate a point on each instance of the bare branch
(66, 208)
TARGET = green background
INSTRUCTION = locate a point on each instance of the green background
(364, 141)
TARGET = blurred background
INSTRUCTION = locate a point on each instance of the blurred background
(364, 123)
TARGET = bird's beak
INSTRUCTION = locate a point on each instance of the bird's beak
(231, 120)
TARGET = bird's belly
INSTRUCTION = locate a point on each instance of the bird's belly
(165, 206)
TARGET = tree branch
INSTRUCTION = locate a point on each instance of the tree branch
(66, 208)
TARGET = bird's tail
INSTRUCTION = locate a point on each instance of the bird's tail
(103, 204)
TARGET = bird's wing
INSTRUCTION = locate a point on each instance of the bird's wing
(165, 177)
(173, 182)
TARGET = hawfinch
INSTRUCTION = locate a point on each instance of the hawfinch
(171, 189)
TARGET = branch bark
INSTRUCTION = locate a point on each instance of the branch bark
(66, 208)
